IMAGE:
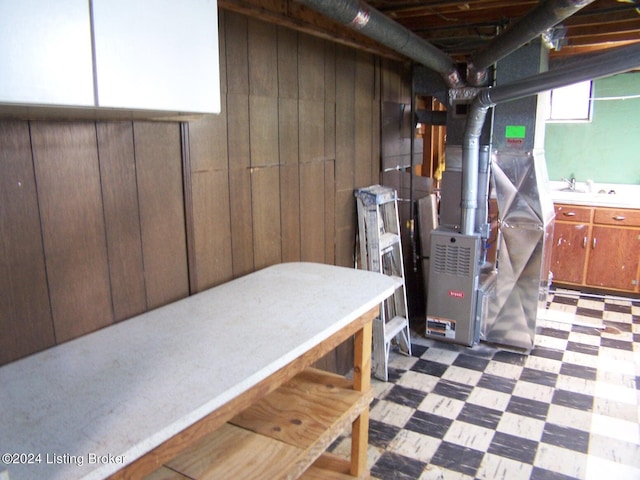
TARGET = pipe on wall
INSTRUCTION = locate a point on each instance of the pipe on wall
(604, 64)
(529, 27)
(470, 164)
(375, 25)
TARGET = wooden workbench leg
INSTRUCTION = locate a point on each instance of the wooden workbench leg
(362, 383)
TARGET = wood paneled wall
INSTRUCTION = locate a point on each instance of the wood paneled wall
(92, 226)
(103, 220)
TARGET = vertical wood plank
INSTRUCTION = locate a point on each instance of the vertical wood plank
(222, 50)
(239, 147)
(241, 226)
(364, 162)
(345, 155)
(263, 56)
(290, 212)
(265, 195)
(346, 227)
(311, 130)
(212, 228)
(375, 124)
(263, 126)
(330, 101)
(345, 118)
(25, 316)
(238, 125)
(311, 89)
(211, 259)
(288, 130)
(329, 72)
(312, 203)
(208, 142)
(68, 180)
(287, 63)
(122, 219)
(311, 67)
(162, 220)
(330, 131)
(236, 56)
(392, 90)
(329, 212)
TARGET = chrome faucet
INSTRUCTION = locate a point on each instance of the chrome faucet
(572, 183)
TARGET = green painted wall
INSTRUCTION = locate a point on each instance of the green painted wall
(606, 150)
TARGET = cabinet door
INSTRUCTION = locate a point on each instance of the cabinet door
(569, 252)
(157, 56)
(45, 52)
(614, 258)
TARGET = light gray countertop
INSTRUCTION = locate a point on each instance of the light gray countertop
(121, 391)
(597, 194)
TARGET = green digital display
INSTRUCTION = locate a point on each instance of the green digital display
(515, 131)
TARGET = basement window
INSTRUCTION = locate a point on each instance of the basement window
(571, 103)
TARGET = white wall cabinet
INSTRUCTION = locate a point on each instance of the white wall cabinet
(112, 54)
(157, 56)
(45, 52)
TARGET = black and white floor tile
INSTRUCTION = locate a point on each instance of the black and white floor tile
(568, 410)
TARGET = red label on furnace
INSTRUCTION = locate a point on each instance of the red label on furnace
(456, 294)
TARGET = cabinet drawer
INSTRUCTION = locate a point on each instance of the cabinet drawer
(617, 216)
(573, 213)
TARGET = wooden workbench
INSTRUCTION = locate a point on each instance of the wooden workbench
(213, 386)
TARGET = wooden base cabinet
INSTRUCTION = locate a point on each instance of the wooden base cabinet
(572, 232)
(614, 258)
(597, 247)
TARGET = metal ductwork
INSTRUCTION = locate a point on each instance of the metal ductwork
(470, 164)
(540, 19)
(375, 25)
(599, 65)
(604, 64)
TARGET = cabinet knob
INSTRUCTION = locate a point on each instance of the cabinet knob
(585, 240)
(618, 217)
(594, 242)
(569, 214)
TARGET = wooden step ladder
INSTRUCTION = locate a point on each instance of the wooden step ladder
(381, 251)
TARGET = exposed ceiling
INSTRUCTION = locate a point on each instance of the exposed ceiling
(458, 28)
(462, 27)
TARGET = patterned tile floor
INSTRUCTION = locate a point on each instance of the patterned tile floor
(569, 410)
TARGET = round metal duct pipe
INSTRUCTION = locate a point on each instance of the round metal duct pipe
(375, 25)
(529, 27)
(602, 64)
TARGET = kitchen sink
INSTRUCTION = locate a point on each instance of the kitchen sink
(572, 190)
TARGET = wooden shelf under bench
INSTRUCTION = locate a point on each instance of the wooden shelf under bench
(280, 436)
